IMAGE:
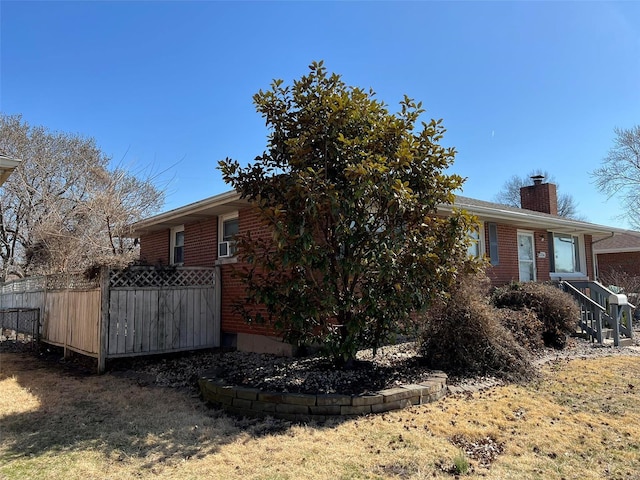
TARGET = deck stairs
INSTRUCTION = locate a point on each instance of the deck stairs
(606, 317)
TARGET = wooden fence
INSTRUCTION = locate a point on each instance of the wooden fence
(124, 313)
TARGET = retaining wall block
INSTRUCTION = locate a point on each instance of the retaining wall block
(299, 399)
(241, 403)
(333, 399)
(266, 407)
(325, 410)
(225, 390)
(388, 406)
(360, 410)
(289, 408)
(434, 385)
(224, 399)
(247, 393)
(395, 394)
(272, 397)
(361, 400)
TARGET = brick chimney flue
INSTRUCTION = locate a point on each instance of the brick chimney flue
(540, 197)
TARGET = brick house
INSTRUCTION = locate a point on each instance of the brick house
(619, 253)
(531, 243)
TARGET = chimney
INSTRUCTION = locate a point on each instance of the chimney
(540, 197)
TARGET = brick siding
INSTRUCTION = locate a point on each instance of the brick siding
(233, 287)
(200, 249)
(154, 248)
(628, 262)
(541, 197)
(201, 243)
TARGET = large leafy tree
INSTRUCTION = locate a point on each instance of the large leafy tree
(64, 208)
(619, 173)
(349, 193)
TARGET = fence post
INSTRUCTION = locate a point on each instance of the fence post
(217, 306)
(103, 329)
(67, 329)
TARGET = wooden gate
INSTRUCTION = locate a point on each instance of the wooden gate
(124, 313)
(161, 310)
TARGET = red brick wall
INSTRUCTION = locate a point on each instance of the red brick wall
(154, 248)
(543, 265)
(540, 198)
(507, 269)
(588, 248)
(201, 250)
(201, 243)
(233, 288)
(628, 262)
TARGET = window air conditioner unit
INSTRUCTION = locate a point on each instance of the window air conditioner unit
(225, 249)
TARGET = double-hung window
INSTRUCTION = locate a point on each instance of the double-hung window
(476, 248)
(227, 230)
(177, 246)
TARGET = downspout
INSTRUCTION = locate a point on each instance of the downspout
(595, 257)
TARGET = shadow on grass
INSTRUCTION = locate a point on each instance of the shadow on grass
(48, 407)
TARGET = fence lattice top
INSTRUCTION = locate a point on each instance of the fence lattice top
(24, 285)
(161, 277)
(76, 281)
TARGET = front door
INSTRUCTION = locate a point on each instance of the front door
(526, 257)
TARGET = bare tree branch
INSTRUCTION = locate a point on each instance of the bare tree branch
(619, 173)
(510, 194)
(64, 208)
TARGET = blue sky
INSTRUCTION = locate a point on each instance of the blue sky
(168, 86)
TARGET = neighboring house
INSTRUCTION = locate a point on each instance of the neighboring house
(522, 244)
(7, 165)
(619, 254)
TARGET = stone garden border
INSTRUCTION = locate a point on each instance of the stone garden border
(253, 402)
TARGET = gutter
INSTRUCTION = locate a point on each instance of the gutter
(595, 255)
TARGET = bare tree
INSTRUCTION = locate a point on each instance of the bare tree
(510, 194)
(63, 208)
(620, 172)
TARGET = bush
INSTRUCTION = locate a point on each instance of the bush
(464, 335)
(556, 309)
(524, 325)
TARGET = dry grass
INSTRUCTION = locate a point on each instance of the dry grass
(580, 420)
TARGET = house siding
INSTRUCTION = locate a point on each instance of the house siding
(507, 270)
(201, 243)
(154, 248)
(540, 198)
(200, 249)
(628, 262)
(588, 245)
(233, 288)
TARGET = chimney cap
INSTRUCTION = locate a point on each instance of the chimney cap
(537, 179)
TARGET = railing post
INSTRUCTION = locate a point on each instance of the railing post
(614, 313)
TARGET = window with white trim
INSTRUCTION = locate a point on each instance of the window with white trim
(228, 226)
(476, 249)
(176, 252)
(567, 254)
